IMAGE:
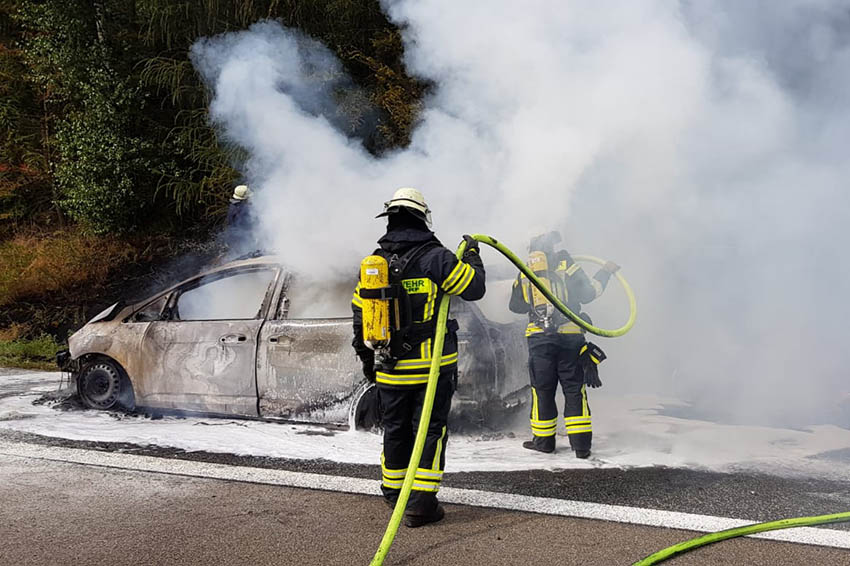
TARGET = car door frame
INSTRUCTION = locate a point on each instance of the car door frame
(217, 342)
(283, 391)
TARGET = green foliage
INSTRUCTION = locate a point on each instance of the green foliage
(102, 114)
(105, 143)
(104, 173)
(37, 353)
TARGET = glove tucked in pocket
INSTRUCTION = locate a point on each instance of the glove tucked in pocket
(590, 357)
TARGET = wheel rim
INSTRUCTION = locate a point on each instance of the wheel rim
(100, 386)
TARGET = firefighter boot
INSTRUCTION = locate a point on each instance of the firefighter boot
(413, 521)
(545, 444)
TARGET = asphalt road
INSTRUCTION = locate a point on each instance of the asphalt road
(755, 497)
(62, 513)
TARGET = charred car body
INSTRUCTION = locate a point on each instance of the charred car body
(250, 339)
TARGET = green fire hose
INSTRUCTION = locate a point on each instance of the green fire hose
(434, 372)
(682, 547)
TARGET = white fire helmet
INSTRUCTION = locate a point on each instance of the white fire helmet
(241, 192)
(412, 200)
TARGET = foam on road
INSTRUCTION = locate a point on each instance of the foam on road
(628, 432)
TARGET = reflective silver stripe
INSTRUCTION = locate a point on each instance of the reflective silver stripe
(579, 429)
(417, 379)
(425, 486)
(394, 474)
(425, 474)
(425, 363)
(392, 484)
(543, 433)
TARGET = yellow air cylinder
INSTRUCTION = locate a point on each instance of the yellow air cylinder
(538, 263)
(375, 274)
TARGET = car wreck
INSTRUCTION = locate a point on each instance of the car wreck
(252, 339)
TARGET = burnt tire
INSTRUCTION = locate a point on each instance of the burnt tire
(103, 385)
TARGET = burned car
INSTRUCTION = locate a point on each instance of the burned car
(252, 339)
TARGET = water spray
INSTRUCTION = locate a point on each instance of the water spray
(434, 372)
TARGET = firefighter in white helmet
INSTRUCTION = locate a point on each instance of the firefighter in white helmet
(395, 305)
(557, 350)
(238, 231)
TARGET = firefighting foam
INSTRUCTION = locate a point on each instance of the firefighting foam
(695, 144)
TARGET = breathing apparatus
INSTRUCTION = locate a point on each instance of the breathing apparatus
(542, 309)
(378, 297)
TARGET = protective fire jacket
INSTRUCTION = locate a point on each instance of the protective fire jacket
(570, 284)
(431, 274)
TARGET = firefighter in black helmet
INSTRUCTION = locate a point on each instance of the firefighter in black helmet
(423, 270)
(557, 350)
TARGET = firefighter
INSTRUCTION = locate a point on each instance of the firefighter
(239, 213)
(557, 350)
(238, 235)
(424, 270)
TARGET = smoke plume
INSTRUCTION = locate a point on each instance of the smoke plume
(701, 145)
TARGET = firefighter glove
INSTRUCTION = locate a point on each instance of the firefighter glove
(471, 244)
(611, 267)
(590, 357)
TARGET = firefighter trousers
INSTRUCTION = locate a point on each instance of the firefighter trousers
(402, 407)
(554, 359)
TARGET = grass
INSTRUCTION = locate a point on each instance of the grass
(35, 265)
(35, 353)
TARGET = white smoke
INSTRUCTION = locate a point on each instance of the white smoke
(700, 145)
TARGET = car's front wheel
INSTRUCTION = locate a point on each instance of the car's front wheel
(102, 384)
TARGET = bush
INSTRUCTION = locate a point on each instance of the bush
(37, 353)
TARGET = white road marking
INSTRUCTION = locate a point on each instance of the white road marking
(566, 508)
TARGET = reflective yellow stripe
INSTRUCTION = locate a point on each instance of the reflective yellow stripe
(435, 465)
(543, 433)
(425, 486)
(534, 412)
(464, 283)
(579, 430)
(584, 409)
(428, 311)
(429, 475)
(423, 364)
(392, 478)
(569, 328)
(355, 297)
(413, 379)
(532, 329)
(453, 277)
(573, 268)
